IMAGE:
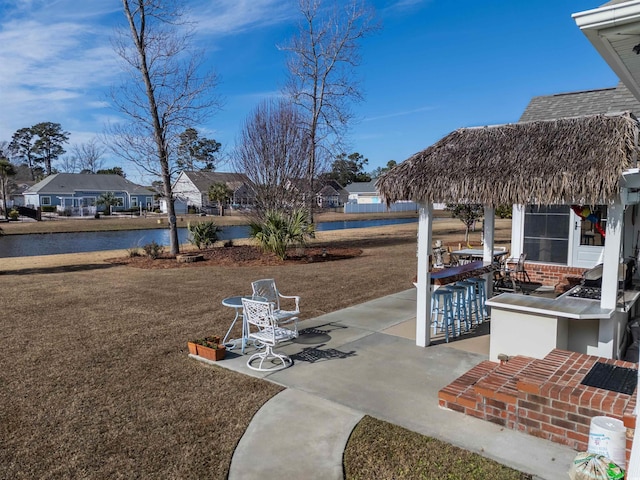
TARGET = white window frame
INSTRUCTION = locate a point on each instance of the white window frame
(45, 201)
(134, 202)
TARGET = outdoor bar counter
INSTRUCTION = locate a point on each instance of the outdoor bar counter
(533, 325)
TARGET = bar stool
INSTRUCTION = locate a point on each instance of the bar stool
(473, 307)
(481, 292)
(442, 308)
(460, 307)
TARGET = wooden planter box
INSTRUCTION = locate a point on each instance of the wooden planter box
(214, 354)
(193, 348)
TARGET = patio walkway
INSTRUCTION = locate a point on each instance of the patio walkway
(359, 361)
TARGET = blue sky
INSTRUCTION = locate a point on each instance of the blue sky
(435, 66)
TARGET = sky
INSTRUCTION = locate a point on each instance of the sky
(434, 66)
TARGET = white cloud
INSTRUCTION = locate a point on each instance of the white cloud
(227, 17)
(401, 113)
(52, 64)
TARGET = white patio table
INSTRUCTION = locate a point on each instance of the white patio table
(236, 304)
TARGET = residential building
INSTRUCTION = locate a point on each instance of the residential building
(192, 188)
(77, 193)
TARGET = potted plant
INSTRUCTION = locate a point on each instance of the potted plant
(209, 348)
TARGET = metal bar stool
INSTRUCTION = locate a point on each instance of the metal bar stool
(442, 312)
(460, 308)
(481, 293)
(473, 307)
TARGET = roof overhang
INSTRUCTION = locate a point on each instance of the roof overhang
(614, 30)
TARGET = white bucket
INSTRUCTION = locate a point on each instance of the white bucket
(608, 437)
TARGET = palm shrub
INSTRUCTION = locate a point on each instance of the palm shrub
(203, 234)
(278, 230)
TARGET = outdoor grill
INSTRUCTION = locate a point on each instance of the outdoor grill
(590, 286)
(581, 291)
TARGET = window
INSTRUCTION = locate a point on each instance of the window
(45, 200)
(134, 202)
(119, 202)
(88, 201)
(594, 222)
(546, 233)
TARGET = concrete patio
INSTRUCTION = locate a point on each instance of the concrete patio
(363, 360)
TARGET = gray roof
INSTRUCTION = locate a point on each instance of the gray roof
(574, 104)
(68, 183)
(361, 187)
(203, 180)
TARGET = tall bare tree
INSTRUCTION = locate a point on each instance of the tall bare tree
(166, 94)
(271, 152)
(323, 56)
(89, 155)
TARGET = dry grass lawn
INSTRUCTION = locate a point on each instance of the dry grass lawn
(94, 374)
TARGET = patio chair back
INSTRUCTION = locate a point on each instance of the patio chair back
(284, 313)
(266, 288)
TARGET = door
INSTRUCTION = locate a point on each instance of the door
(588, 235)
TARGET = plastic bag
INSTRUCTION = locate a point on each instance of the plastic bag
(590, 466)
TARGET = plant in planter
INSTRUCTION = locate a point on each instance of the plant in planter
(208, 347)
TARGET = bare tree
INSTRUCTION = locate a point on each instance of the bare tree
(269, 151)
(89, 155)
(166, 93)
(321, 65)
(68, 164)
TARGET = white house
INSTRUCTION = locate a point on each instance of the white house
(193, 188)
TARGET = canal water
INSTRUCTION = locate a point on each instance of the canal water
(54, 243)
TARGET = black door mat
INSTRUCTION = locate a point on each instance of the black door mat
(612, 378)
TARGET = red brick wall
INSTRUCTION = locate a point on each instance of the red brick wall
(559, 276)
(541, 397)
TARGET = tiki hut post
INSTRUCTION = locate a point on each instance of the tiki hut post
(607, 336)
(423, 283)
(488, 233)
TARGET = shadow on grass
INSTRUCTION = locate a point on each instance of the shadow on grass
(59, 269)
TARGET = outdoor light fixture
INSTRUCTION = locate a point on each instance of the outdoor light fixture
(636, 49)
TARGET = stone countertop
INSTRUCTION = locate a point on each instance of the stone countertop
(577, 308)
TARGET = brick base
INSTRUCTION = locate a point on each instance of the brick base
(543, 398)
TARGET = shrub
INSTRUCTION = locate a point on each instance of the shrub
(504, 211)
(153, 250)
(48, 208)
(228, 243)
(14, 214)
(203, 234)
(279, 230)
(133, 252)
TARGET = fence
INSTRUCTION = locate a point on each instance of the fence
(380, 207)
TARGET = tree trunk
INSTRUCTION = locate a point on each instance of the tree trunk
(171, 211)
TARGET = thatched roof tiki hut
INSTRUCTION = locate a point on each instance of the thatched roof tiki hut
(583, 160)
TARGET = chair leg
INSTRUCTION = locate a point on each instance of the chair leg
(269, 354)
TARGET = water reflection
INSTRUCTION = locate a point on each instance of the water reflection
(54, 243)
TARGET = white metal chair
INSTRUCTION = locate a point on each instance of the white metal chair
(263, 327)
(266, 288)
